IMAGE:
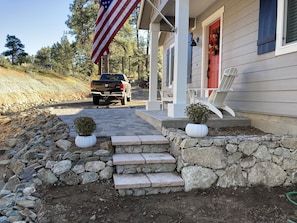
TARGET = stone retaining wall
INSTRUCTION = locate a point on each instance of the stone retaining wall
(78, 167)
(37, 152)
(232, 161)
(18, 195)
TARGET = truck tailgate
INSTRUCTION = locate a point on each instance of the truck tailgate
(106, 85)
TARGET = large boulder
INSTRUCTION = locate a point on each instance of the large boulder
(267, 174)
(212, 157)
(198, 177)
(232, 177)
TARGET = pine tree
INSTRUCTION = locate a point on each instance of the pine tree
(16, 50)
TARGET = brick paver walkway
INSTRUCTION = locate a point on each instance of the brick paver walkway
(110, 122)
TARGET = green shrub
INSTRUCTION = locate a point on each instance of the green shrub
(4, 62)
(197, 113)
(84, 126)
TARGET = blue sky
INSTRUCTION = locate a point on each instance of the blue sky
(37, 23)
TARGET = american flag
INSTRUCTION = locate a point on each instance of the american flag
(111, 17)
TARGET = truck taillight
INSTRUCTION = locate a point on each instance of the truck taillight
(122, 87)
(91, 84)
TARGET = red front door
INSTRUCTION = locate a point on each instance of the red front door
(213, 55)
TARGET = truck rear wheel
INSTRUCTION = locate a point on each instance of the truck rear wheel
(96, 100)
(124, 100)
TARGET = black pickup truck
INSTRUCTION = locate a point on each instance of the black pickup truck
(111, 87)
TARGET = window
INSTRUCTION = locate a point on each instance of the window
(286, 38)
(169, 66)
(291, 27)
(190, 55)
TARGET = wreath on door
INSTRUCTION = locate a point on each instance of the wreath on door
(214, 45)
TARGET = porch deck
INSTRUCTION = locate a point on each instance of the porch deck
(159, 119)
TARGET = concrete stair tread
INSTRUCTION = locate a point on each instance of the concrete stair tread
(158, 158)
(124, 181)
(138, 140)
(165, 179)
(153, 139)
(142, 158)
(128, 158)
(129, 181)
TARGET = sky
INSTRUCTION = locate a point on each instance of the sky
(37, 23)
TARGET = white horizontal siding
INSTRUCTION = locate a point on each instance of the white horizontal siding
(266, 84)
(196, 68)
(264, 96)
(271, 108)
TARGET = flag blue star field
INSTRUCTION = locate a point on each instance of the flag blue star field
(111, 17)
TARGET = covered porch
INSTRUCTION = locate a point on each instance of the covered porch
(160, 119)
(177, 19)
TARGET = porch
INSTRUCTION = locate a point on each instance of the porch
(160, 119)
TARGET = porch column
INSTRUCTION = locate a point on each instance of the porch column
(177, 108)
(152, 103)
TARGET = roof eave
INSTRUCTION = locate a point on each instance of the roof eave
(143, 21)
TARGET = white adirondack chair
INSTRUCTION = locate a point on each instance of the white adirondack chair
(165, 98)
(216, 100)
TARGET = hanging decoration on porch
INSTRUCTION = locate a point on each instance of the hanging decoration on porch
(214, 42)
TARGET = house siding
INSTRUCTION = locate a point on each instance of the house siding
(267, 84)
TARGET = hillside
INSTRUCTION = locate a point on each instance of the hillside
(19, 88)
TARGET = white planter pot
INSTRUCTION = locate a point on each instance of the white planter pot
(85, 141)
(196, 130)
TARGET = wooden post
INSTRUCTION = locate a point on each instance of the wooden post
(123, 65)
(105, 67)
(99, 67)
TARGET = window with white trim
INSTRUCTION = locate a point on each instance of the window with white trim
(169, 66)
(171, 70)
(286, 35)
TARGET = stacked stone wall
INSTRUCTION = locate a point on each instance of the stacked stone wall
(38, 153)
(234, 161)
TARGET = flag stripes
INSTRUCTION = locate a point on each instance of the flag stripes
(111, 17)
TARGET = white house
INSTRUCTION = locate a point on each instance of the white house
(258, 37)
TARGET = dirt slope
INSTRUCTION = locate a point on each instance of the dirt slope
(22, 88)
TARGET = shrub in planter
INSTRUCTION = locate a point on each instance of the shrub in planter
(84, 127)
(198, 115)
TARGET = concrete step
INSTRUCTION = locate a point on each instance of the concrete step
(142, 158)
(140, 144)
(127, 181)
(151, 183)
(139, 140)
(143, 166)
(132, 163)
(160, 119)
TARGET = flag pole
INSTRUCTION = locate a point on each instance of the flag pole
(163, 17)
